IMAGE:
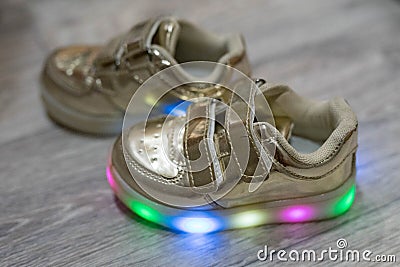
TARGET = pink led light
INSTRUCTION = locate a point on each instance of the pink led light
(110, 177)
(298, 214)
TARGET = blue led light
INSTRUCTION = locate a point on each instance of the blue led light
(176, 109)
(197, 224)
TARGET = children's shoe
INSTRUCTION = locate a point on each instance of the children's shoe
(190, 174)
(87, 88)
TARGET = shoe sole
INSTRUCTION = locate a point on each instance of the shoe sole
(306, 209)
(75, 120)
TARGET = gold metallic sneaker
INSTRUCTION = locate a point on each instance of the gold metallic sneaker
(87, 88)
(220, 167)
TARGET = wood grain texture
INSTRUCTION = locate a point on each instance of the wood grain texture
(56, 206)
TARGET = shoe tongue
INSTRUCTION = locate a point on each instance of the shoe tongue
(164, 33)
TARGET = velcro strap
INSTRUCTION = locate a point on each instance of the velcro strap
(128, 43)
(221, 143)
(204, 169)
(243, 103)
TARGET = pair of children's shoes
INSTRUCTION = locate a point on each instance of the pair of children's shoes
(233, 157)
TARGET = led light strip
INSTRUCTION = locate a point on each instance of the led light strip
(198, 221)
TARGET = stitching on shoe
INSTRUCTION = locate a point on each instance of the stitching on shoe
(172, 144)
(253, 176)
(230, 139)
(204, 142)
(171, 137)
(186, 146)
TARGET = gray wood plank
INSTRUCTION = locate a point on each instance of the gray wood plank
(56, 206)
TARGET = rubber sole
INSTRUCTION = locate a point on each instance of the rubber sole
(313, 208)
(75, 120)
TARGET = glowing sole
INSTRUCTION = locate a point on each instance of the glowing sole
(319, 207)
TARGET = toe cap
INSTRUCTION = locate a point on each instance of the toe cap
(69, 67)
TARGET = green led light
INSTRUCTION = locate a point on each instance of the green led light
(145, 212)
(249, 218)
(345, 202)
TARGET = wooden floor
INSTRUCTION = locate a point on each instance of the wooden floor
(56, 206)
